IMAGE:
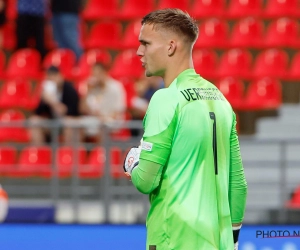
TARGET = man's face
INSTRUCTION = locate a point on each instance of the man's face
(98, 75)
(153, 50)
(55, 77)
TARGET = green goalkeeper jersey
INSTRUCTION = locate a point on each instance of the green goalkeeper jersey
(190, 131)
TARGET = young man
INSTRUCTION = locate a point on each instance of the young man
(189, 160)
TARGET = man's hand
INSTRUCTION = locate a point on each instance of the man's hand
(131, 160)
(236, 231)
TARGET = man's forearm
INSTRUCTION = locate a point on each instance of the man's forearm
(146, 176)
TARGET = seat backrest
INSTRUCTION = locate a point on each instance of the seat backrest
(15, 93)
(213, 33)
(131, 35)
(8, 30)
(96, 9)
(294, 71)
(264, 92)
(271, 62)
(127, 63)
(66, 156)
(204, 8)
(242, 8)
(104, 34)
(35, 156)
(205, 62)
(282, 32)
(7, 156)
(181, 4)
(64, 59)
(232, 89)
(141, 7)
(235, 62)
(24, 63)
(247, 32)
(279, 8)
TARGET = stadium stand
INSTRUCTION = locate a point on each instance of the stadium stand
(247, 33)
(98, 9)
(279, 8)
(235, 63)
(64, 59)
(272, 63)
(135, 9)
(246, 48)
(202, 9)
(24, 63)
(283, 32)
(243, 8)
(233, 90)
(213, 33)
(205, 62)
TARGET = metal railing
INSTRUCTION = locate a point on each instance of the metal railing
(111, 191)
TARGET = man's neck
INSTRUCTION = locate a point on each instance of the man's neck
(174, 70)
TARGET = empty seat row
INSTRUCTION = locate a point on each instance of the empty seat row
(41, 161)
(262, 94)
(26, 63)
(96, 9)
(248, 32)
(130, 9)
(214, 33)
(240, 63)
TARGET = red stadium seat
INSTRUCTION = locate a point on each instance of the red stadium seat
(16, 134)
(271, 62)
(263, 94)
(131, 35)
(116, 162)
(127, 64)
(87, 60)
(94, 168)
(16, 94)
(282, 8)
(8, 36)
(233, 90)
(283, 32)
(66, 160)
(24, 63)
(104, 35)
(247, 33)
(8, 157)
(294, 72)
(235, 63)
(181, 4)
(243, 8)
(97, 9)
(34, 161)
(205, 63)
(213, 33)
(133, 9)
(2, 65)
(50, 42)
(11, 9)
(64, 59)
(205, 9)
(294, 202)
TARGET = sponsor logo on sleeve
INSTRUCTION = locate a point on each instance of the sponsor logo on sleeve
(147, 146)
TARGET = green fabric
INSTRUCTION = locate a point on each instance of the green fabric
(192, 207)
(146, 176)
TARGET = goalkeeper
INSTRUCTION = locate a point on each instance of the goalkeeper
(189, 160)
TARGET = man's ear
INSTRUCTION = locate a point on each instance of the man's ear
(172, 48)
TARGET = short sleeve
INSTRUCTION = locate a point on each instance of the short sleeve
(159, 127)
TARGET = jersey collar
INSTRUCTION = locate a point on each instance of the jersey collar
(184, 74)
